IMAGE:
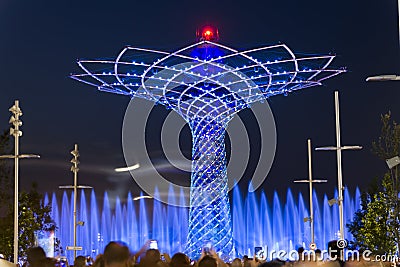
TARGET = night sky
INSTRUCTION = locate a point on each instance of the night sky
(41, 40)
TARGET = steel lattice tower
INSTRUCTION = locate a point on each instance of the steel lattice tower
(207, 84)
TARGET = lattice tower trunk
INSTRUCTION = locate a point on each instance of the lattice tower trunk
(209, 216)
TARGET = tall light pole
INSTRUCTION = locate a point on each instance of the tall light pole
(398, 17)
(75, 187)
(17, 133)
(310, 182)
(388, 77)
(338, 148)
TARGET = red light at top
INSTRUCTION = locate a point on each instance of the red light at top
(207, 33)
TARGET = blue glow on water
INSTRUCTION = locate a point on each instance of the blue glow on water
(256, 221)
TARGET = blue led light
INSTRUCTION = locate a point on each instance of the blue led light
(207, 87)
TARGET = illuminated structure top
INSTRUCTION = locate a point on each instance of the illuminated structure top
(205, 77)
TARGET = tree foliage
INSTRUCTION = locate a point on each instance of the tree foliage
(6, 187)
(33, 215)
(388, 143)
(376, 225)
(373, 226)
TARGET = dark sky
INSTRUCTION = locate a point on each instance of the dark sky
(41, 40)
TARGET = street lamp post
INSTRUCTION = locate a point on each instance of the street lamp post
(17, 133)
(338, 148)
(75, 187)
(388, 77)
(310, 182)
(383, 78)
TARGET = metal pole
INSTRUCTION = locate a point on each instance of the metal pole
(15, 121)
(396, 207)
(16, 161)
(339, 149)
(398, 8)
(310, 182)
(390, 77)
(311, 189)
(75, 187)
(75, 170)
(339, 166)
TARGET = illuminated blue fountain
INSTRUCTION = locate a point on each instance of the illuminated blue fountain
(207, 83)
(275, 224)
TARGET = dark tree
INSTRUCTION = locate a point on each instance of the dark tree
(376, 225)
(33, 216)
(6, 186)
(388, 143)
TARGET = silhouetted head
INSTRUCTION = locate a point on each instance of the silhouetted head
(236, 263)
(152, 256)
(333, 250)
(179, 260)
(116, 252)
(300, 250)
(207, 261)
(80, 261)
(35, 256)
(48, 262)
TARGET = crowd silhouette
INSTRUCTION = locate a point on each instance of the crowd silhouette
(118, 254)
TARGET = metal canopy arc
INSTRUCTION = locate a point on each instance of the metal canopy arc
(207, 83)
(185, 80)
